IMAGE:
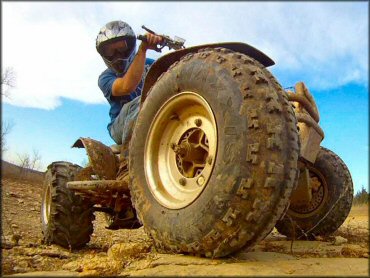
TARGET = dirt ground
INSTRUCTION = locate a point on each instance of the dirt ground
(130, 252)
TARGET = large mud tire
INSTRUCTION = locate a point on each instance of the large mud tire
(323, 216)
(255, 164)
(67, 220)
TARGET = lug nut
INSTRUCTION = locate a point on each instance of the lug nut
(198, 122)
(200, 181)
(209, 160)
(182, 181)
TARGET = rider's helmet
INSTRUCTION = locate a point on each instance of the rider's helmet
(116, 43)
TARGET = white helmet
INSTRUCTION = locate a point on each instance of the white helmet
(112, 32)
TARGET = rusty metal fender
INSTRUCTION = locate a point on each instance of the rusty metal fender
(307, 115)
(101, 157)
(164, 62)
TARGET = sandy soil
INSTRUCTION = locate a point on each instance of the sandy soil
(130, 252)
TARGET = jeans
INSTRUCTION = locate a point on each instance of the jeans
(123, 126)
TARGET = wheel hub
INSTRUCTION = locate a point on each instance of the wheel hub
(319, 194)
(46, 206)
(192, 152)
(179, 150)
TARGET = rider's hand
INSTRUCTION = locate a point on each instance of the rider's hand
(151, 41)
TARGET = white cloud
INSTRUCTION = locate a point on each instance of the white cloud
(51, 58)
(51, 45)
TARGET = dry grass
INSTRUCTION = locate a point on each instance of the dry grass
(359, 210)
(14, 172)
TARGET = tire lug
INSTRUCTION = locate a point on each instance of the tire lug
(198, 122)
(182, 181)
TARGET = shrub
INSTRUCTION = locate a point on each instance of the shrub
(361, 197)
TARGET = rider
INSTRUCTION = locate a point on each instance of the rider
(122, 81)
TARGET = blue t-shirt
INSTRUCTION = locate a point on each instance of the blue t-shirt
(105, 83)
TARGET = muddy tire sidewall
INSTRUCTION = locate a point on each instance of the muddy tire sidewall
(251, 179)
(70, 221)
(337, 203)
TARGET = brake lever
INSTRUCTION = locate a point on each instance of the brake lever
(148, 30)
(176, 43)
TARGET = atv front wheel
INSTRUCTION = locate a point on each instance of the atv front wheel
(67, 219)
(332, 194)
(213, 156)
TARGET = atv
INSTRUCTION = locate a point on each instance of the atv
(220, 155)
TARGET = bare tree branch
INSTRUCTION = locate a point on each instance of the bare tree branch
(6, 127)
(36, 159)
(29, 162)
(8, 79)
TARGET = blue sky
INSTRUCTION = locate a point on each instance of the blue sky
(51, 47)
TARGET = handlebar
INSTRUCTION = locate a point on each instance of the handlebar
(175, 43)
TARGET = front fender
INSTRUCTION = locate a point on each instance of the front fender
(101, 157)
(164, 62)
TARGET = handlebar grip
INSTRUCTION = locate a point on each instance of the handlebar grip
(142, 38)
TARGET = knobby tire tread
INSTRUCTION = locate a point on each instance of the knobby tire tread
(340, 203)
(253, 200)
(71, 220)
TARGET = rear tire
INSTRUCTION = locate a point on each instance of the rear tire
(331, 201)
(67, 219)
(244, 162)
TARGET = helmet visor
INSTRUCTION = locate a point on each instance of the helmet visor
(115, 50)
(120, 65)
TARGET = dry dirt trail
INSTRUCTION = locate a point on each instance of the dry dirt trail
(130, 252)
